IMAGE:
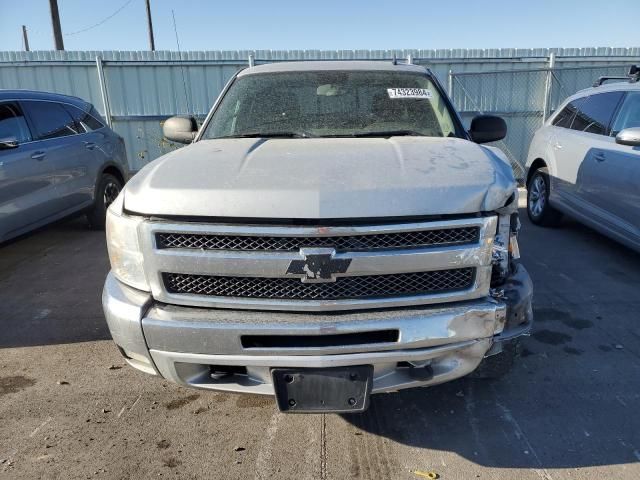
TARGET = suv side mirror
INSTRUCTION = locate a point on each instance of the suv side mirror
(8, 142)
(629, 136)
(180, 129)
(487, 128)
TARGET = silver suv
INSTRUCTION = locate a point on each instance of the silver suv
(57, 158)
(585, 161)
(331, 232)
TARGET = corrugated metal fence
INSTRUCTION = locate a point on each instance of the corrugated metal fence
(135, 91)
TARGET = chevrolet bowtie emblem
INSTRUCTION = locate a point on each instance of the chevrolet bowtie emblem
(318, 265)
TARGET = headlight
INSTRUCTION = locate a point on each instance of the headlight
(124, 250)
(505, 247)
(514, 248)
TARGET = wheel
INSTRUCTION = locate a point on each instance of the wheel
(538, 208)
(108, 189)
(498, 365)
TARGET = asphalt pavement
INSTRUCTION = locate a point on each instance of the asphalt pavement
(70, 408)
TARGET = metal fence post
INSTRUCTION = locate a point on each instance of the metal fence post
(104, 91)
(547, 87)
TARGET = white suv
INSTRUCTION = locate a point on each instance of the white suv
(585, 162)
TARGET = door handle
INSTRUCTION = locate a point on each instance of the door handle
(89, 145)
(38, 155)
(557, 145)
(599, 156)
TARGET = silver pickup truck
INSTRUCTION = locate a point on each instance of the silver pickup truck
(331, 232)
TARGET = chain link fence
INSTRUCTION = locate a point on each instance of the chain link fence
(524, 98)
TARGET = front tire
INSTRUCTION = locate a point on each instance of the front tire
(539, 210)
(108, 189)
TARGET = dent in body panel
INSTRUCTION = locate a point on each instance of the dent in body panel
(503, 185)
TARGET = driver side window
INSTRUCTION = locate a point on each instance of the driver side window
(13, 124)
(629, 114)
(594, 115)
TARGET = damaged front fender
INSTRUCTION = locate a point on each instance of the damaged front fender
(517, 294)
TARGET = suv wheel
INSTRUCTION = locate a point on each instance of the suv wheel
(108, 189)
(538, 208)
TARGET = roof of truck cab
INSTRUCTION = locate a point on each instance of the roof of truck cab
(36, 95)
(314, 66)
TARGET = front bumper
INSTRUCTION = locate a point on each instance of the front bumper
(186, 344)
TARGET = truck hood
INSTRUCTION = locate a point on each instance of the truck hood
(323, 178)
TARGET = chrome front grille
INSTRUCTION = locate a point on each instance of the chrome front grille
(361, 287)
(343, 243)
(318, 268)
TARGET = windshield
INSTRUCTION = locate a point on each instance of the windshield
(331, 104)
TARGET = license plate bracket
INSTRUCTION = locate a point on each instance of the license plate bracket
(322, 390)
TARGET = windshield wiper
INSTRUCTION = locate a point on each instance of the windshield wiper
(270, 135)
(382, 133)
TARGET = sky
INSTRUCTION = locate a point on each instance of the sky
(325, 25)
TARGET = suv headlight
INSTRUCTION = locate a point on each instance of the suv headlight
(125, 254)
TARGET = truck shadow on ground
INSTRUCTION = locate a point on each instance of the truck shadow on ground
(509, 424)
(51, 285)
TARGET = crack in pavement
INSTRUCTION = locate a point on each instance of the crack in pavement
(264, 455)
(323, 447)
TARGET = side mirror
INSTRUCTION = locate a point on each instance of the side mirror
(629, 136)
(487, 128)
(180, 129)
(8, 142)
